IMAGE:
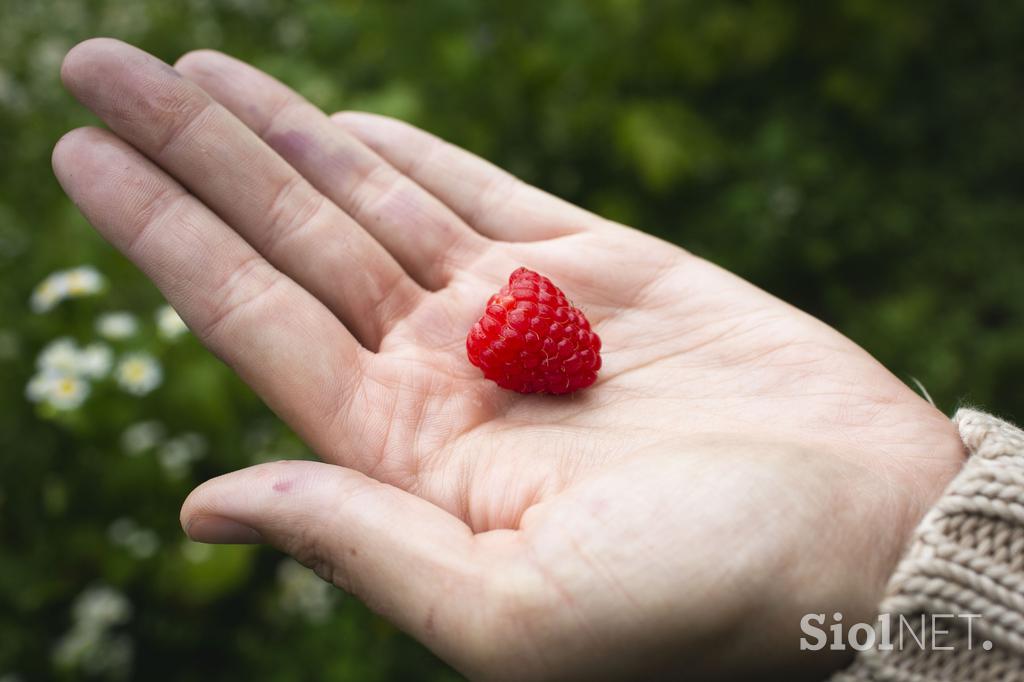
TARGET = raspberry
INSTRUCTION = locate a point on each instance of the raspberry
(532, 340)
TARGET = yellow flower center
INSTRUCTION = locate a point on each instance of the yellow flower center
(76, 284)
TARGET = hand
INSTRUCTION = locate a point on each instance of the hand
(737, 464)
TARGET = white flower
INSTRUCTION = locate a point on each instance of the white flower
(83, 281)
(120, 530)
(112, 659)
(49, 293)
(76, 646)
(138, 373)
(101, 607)
(303, 592)
(142, 436)
(139, 541)
(67, 393)
(143, 544)
(59, 356)
(63, 356)
(39, 387)
(94, 361)
(89, 645)
(62, 391)
(169, 324)
(174, 460)
(58, 286)
(97, 652)
(63, 368)
(177, 454)
(117, 325)
(195, 442)
(196, 552)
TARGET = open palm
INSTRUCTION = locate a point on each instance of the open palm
(737, 464)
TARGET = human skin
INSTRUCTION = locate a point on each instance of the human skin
(737, 464)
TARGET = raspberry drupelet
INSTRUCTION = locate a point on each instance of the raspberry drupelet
(532, 340)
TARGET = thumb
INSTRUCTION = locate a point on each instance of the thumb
(397, 552)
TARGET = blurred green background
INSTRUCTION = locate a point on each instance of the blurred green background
(859, 158)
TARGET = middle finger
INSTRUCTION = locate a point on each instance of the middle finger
(430, 241)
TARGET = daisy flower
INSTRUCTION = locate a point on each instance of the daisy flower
(83, 281)
(39, 387)
(68, 393)
(138, 373)
(63, 392)
(177, 454)
(49, 293)
(117, 325)
(142, 436)
(303, 592)
(102, 606)
(59, 357)
(141, 542)
(63, 356)
(58, 286)
(169, 324)
(94, 361)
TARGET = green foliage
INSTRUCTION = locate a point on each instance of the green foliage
(859, 158)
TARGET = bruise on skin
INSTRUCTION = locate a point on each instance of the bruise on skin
(283, 486)
(428, 622)
(291, 144)
(299, 147)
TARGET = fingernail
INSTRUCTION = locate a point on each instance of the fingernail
(221, 531)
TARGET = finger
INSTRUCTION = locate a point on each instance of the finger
(490, 200)
(222, 162)
(282, 341)
(426, 238)
(407, 559)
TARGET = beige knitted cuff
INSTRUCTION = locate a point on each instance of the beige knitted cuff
(962, 581)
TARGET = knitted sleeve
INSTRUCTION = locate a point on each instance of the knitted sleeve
(955, 605)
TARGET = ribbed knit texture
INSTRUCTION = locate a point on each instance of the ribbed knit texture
(966, 557)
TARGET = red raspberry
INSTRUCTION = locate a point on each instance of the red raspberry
(532, 340)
